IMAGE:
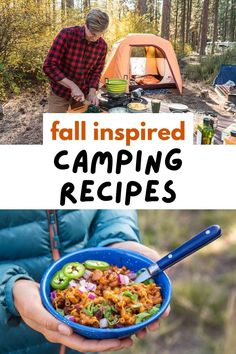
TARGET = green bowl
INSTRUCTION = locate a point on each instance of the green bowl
(116, 85)
(116, 82)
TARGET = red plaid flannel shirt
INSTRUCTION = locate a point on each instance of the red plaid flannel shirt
(73, 57)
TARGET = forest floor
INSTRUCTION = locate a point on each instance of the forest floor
(22, 122)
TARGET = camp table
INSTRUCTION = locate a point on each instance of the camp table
(221, 129)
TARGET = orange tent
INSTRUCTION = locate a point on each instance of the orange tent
(139, 55)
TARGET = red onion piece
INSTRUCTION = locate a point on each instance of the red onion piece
(83, 282)
(126, 280)
(123, 279)
(87, 274)
(70, 318)
(72, 283)
(52, 295)
(87, 285)
(91, 286)
(132, 275)
(103, 323)
(99, 314)
(91, 296)
(82, 289)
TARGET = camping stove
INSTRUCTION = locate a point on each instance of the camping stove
(107, 100)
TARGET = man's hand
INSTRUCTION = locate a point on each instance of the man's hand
(92, 97)
(153, 255)
(76, 93)
(28, 303)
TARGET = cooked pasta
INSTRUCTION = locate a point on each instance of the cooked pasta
(103, 296)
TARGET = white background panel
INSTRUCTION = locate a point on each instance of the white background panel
(206, 180)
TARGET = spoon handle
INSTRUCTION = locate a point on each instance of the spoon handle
(194, 244)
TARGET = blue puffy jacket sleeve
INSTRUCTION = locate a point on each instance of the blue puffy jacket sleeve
(9, 273)
(110, 226)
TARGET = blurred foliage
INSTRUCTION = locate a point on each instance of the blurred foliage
(208, 67)
(131, 23)
(179, 50)
(23, 44)
(164, 229)
(202, 320)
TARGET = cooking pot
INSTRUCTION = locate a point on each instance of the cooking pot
(117, 86)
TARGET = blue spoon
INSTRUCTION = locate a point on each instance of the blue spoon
(186, 249)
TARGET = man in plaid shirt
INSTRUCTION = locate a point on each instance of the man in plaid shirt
(75, 61)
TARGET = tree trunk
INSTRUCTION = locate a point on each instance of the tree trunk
(142, 7)
(226, 21)
(63, 8)
(183, 18)
(176, 19)
(70, 4)
(215, 29)
(189, 15)
(53, 14)
(87, 5)
(198, 26)
(120, 9)
(152, 11)
(156, 14)
(165, 22)
(232, 34)
(204, 27)
(47, 10)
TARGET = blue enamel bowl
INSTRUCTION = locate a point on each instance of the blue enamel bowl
(132, 260)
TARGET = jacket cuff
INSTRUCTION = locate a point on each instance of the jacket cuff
(110, 241)
(9, 292)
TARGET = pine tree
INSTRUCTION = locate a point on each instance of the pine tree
(215, 28)
(165, 22)
(204, 27)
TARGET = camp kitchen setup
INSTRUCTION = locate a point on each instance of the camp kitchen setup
(143, 65)
(138, 62)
